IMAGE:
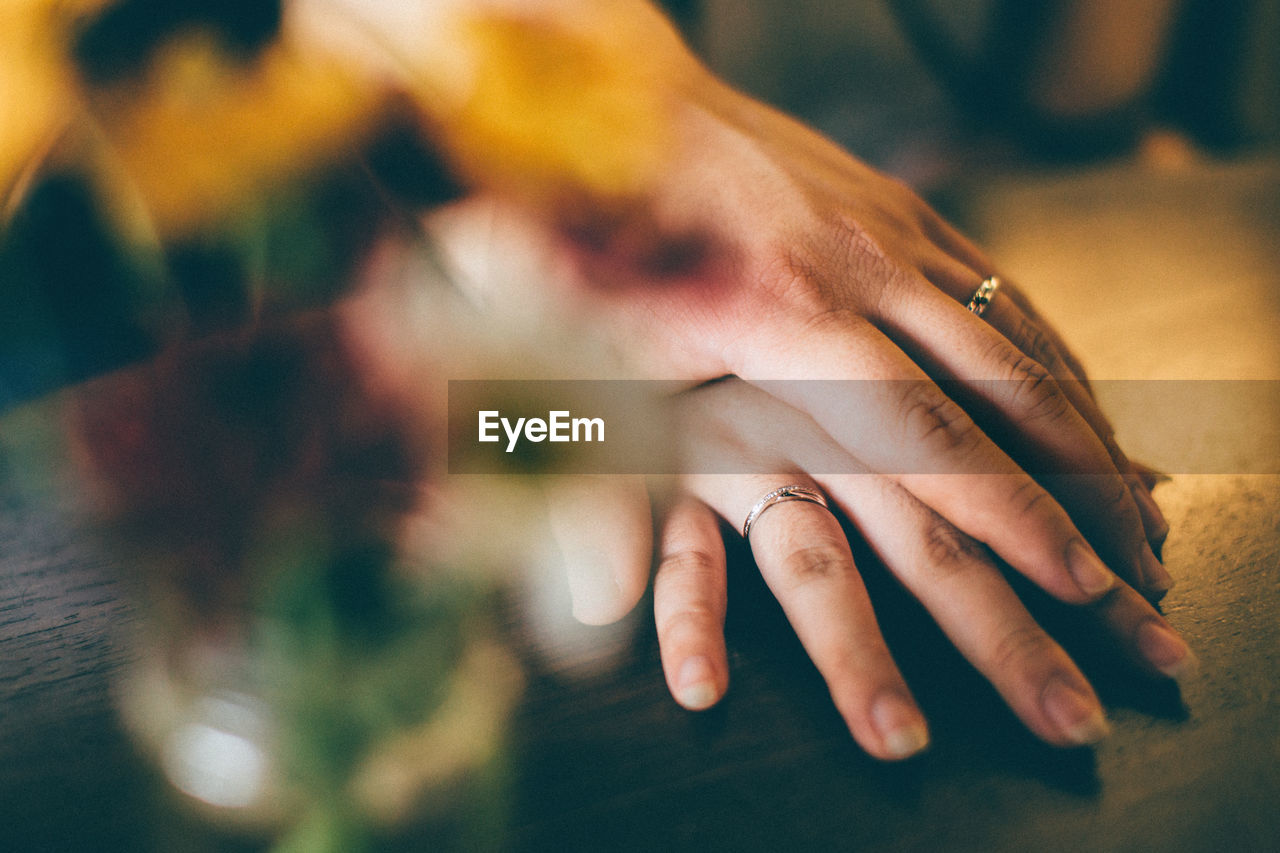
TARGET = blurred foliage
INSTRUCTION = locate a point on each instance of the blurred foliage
(75, 300)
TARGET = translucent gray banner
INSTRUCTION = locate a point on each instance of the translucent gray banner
(854, 426)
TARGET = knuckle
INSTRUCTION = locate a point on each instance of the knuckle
(1116, 503)
(842, 257)
(693, 616)
(1107, 434)
(1113, 495)
(857, 246)
(1037, 343)
(1020, 646)
(687, 582)
(804, 292)
(1029, 498)
(690, 565)
(800, 272)
(859, 255)
(833, 318)
(1034, 392)
(816, 563)
(948, 551)
(883, 281)
(932, 420)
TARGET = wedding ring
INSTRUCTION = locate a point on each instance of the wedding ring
(983, 296)
(782, 495)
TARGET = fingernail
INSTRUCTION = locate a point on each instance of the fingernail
(1155, 475)
(899, 725)
(696, 684)
(1074, 711)
(1165, 650)
(1153, 520)
(594, 597)
(1157, 577)
(1091, 575)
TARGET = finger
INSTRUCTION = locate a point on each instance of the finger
(604, 529)
(1015, 316)
(957, 271)
(956, 581)
(1048, 417)
(689, 600)
(906, 427)
(1149, 641)
(1151, 477)
(1039, 342)
(805, 559)
(1153, 520)
(956, 245)
(1068, 357)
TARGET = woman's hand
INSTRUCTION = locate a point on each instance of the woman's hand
(757, 248)
(764, 251)
(768, 253)
(805, 558)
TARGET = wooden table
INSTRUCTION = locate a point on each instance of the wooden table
(1154, 275)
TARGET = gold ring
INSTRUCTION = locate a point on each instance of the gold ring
(983, 296)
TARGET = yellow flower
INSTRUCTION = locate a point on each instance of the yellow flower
(542, 107)
(36, 83)
(550, 105)
(207, 133)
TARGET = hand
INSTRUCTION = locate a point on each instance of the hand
(805, 558)
(762, 250)
(768, 253)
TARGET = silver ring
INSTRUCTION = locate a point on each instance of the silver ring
(984, 294)
(782, 495)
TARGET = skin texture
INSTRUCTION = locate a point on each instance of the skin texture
(804, 556)
(763, 251)
(794, 261)
(798, 262)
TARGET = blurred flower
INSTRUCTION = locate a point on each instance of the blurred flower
(205, 112)
(261, 491)
(219, 441)
(320, 647)
(550, 109)
(36, 81)
(204, 132)
(544, 103)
